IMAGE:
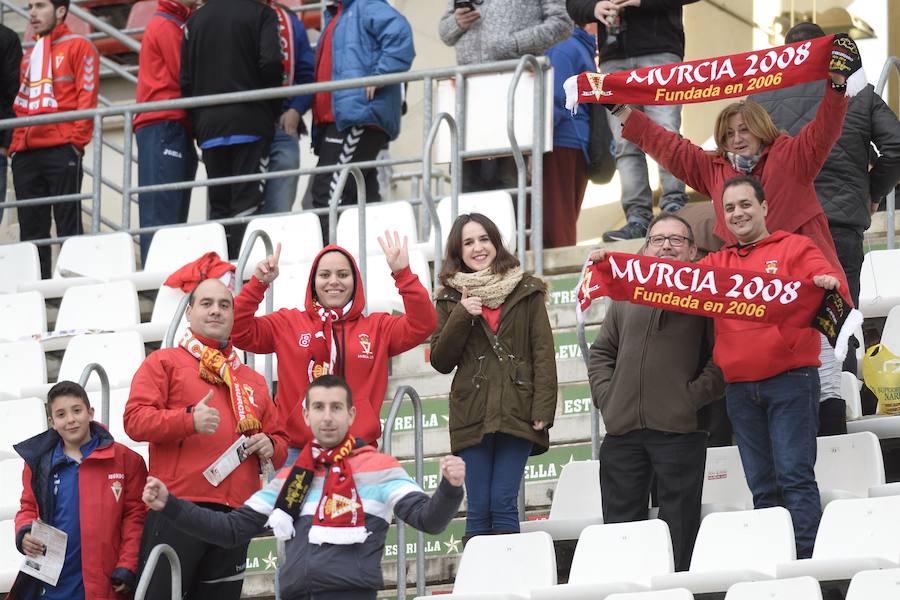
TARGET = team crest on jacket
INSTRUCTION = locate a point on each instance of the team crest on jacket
(771, 267)
(57, 60)
(304, 340)
(116, 488)
(366, 345)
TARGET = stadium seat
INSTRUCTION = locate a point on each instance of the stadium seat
(173, 247)
(890, 336)
(849, 466)
(164, 308)
(11, 490)
(20, 419)
(504, 567)
(673, 594)
(724, 484)
(22, 366)
(735, 546)
(102, 306)
(10, 559)
(576, 503)
(120, 354)
(140, 14)
(883, 584)
(798, 588)
(381, 291)
(380, 217)
(497, 206)
(612, 558)
(118, 397)
(854, 535)
(879, 285)
(22, 315)
(300, 235)
(850, 394)
(19, 265)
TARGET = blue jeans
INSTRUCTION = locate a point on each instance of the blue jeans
(284, 153)
(637, 197)
(775, 423)
(494, 470)
(166, 154)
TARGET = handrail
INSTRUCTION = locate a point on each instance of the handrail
(104, 388)
(595, 414)
(257, 234)
(130, 43)
(333, 203)
(169, 340)
(419, 444)
(454, 185)
(890, 209)
(174, 563)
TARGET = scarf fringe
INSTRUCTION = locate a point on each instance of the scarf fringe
(249, 425)
(282, 525)
(854, 320)
(856, 82)
(343, 536)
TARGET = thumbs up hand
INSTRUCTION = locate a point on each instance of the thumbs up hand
(206, 418)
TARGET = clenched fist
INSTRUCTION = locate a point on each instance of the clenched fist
(453, 469)
(156, 494)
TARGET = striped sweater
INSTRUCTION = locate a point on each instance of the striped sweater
(384, 488)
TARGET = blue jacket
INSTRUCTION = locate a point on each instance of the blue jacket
(370, 38)
(571, 57)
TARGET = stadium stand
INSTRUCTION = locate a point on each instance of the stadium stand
(882, 584)
(851, 466)
(799, 588)
(20, 419)
(172, 248)
(576, 503)
(391, 216)
(22, 315)
(10, 559)
(120, 354)
(101, 306)
(11, 490)
(850, 385)
(673, 594)
(300, 236)
(19, 265)
(22, 366)
(496, 205)
(724, 484)
(879, 286)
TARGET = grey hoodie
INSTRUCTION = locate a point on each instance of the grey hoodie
(507, 29)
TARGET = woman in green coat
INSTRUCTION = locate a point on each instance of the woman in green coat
(493, 328)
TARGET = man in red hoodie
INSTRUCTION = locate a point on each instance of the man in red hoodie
(166, 151)
(333, 336)
(59, 73)
(194, 404)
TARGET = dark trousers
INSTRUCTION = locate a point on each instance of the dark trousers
(489, 174)
(565, 179)
(46, 172)
(207, 571)
(849, 245)
(166, 154)
(629, 462)
(236, 199)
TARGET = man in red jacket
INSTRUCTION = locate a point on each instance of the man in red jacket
(195, 404)
(166, 151)
(58, 74)
(79, 480)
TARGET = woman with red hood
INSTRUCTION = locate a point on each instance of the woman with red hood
(332, 336)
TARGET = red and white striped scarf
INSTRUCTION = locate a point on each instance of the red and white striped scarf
(35, 95)
(285, 42)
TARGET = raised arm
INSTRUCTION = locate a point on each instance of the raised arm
(809, 149)
(252, 333)
(431, 515)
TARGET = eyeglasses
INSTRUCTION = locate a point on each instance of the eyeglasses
(676, 241)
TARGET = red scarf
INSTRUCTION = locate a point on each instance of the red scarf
(716, 292)
(285, 42)
(339, 516)
(323, 346)
(35, 95)
(708, 79)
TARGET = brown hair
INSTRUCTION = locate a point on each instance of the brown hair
(756, 119)
(453, 262)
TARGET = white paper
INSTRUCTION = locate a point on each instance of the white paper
(226, 463)
(47, 567)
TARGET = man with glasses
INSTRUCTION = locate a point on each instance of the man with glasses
(650, 371)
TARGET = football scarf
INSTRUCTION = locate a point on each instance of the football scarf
(285, 42)
(35, 95)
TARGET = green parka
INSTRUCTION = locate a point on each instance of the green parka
(503, 382)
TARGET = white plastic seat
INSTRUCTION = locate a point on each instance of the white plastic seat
(673, 594)
(849, 466)
(733, 547)
(102, 306)
(381, 291)
(854, 535)
(11, 490)
(20, 419)
(22, 367)
(22, 315)
(883, 584)
(118, 397)
(576, 503)
(890, 336)
(173, 247)
(879, 285)
(850, 393)
(10, 559)
(505, 567)
(724, 483)
(380, 217)
(798, 588)
(164, 308)
(119, 353)
(495, 205)
(300, 236)
(614, 558)
(19, 265)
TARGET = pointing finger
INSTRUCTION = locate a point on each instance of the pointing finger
(277, 253)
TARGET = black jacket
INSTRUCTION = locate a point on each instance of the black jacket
(653, 27)
(232, 46)
(10, 63)
(845, 185)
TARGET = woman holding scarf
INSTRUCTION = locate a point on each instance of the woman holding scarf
(493, 328)
(333, 336)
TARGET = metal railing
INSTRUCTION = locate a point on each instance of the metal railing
(269, 249)
(890, 209)
(152, 561)
(104, 388)
(419, 445)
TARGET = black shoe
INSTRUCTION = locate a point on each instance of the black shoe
(631, 231)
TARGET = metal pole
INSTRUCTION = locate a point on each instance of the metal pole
(126, 172)
(595, 414)
(521, 170)
(361, 203)
(106, 28)
(257, 234)
(890, 209)
(537, 171)
(150, 567)
(104, 388)
(426, 178)
(97, 144)
(169, 340)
